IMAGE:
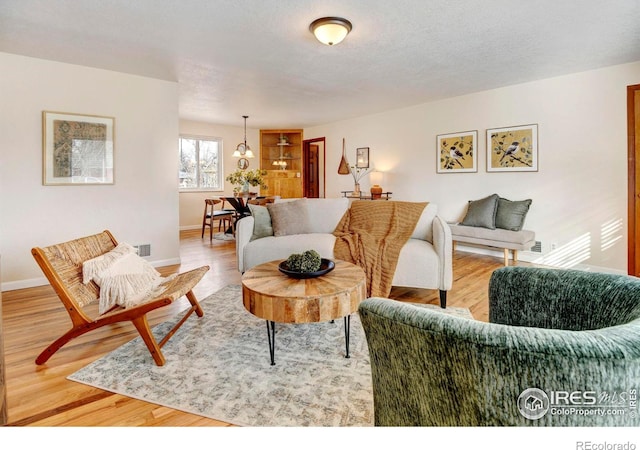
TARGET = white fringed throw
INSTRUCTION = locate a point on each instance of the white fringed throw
(124, 278)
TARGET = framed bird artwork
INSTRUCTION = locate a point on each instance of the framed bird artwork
(512, 149)
(457, 152)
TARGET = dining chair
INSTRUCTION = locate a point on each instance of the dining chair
(263, 201)
(211, 216)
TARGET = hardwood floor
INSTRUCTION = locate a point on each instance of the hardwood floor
(34, 317)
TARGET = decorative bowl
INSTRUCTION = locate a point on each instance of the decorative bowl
(326, 266)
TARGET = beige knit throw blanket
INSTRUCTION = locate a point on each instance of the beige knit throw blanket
(371, 235)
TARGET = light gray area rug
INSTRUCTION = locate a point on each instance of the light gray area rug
(218, 366)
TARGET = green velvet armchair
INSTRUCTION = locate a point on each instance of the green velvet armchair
(562, 349)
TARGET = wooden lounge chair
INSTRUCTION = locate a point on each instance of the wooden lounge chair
(62, 265)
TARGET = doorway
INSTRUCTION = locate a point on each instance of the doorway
(633, 128)
(313, 167)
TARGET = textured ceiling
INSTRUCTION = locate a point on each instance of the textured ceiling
(257, 57)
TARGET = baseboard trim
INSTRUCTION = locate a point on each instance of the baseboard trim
(166, 262)
(190, 227)
(23, 284)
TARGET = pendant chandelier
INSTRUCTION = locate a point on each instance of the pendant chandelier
(243, 150)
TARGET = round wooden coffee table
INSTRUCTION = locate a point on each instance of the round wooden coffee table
(271, 295)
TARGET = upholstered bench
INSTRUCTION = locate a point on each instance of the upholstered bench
(494, 221)
(499, 238)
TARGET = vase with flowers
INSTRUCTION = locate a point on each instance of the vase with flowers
(243, 179)
(357, 173)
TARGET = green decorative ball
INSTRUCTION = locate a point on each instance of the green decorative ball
(308, 261)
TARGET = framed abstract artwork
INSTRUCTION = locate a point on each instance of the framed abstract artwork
(362, 158)
(77, 149)
(512, 149)
(456, 152)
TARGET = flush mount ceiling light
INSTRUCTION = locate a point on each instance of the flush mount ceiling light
(330, 30)
(243, 149)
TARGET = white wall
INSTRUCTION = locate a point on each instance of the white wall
(580, 191)
(140, 208)
(192, 203)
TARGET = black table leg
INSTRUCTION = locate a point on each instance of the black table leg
(347, 330)
(271, 335)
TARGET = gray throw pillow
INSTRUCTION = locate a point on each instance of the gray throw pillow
(262, 222)
(511, 214)
(482, 213)
(289, 217)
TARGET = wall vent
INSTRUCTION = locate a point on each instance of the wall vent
(143, 249)
(537, 248)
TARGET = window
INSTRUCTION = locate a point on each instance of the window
(200, 163)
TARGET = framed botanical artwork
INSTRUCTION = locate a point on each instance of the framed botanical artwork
(457, 152)
(362, 158)
(77, 149)
(512, 149)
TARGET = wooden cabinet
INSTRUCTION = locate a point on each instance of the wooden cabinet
(281, 157)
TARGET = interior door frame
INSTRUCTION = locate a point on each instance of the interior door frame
(633, 153)
(306, 143)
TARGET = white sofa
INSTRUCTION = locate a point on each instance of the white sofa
(425, 260)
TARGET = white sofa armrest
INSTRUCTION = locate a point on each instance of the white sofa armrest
(443, 245)
(244, 231)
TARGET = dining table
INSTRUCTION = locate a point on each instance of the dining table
(240, 204)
